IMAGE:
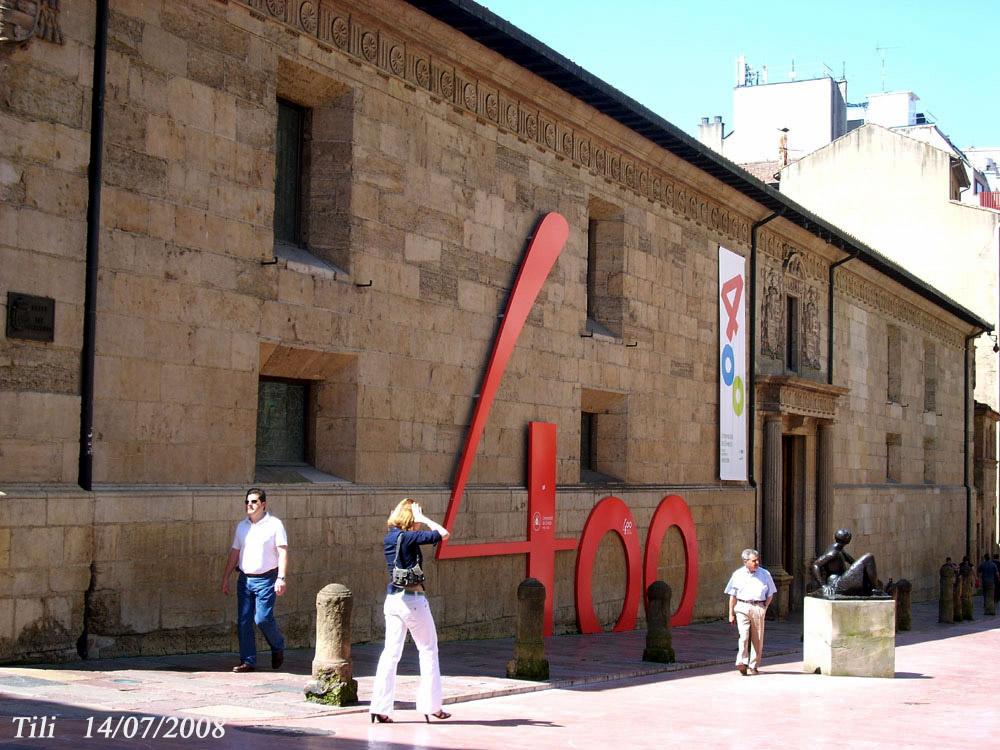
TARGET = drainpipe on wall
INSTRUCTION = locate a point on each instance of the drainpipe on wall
(752, 372)
(829, 319)
(85, 474)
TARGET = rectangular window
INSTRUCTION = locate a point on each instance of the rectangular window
(930, 376)
(792, 333)
(603, 436)
(288, 173)
(605, 269)
(894, 373)
(587, 420)
(893, 459)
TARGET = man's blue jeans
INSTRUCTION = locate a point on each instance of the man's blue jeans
(255, 604)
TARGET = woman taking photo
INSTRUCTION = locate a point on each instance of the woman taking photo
(407, 610)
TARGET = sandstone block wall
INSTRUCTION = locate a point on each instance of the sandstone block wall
(141, 569)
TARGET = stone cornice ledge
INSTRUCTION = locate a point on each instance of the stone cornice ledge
(790, 394)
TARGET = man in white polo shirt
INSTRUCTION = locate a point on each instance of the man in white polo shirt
(260, 547)
(750, 590)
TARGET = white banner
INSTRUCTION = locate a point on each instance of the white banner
(732, 367)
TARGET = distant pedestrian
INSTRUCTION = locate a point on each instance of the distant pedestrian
(406, 609)
(260, 548)
(750, 590)
(988, 574)
(996, 589)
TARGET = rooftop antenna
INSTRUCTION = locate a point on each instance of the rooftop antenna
(881, 52)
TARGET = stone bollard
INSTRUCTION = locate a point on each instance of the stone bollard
(901, 592)
(659, 647)
(529, 662)
(333, 680)
(968, 585)
(956, 598)
(946, 601)
(989, 603)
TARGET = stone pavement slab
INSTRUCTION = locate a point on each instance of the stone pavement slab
(201, 687)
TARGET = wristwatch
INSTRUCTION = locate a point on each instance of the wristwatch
(281, 578)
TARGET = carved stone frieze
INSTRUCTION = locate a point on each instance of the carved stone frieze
(789, 395)
(877, 298)
(811, 330)
(772, 330)
(23, 20)
(801, 264)
(363, 39)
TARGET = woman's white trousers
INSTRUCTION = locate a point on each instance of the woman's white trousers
(408, 613)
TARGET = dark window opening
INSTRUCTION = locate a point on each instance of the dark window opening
(587, 420)
(792, 334)
(288, 173)
(894, 364)
(605, 277)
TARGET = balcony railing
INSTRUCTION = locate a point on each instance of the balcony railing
(990, 200)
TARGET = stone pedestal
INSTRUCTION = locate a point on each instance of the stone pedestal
(849, 637)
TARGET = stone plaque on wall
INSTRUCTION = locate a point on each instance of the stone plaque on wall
(31, 318)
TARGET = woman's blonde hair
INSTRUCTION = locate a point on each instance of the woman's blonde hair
(402, 515)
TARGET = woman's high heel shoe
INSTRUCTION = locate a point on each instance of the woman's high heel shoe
(381, 719)
(442, 715)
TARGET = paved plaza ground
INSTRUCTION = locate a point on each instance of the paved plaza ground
(600, 695)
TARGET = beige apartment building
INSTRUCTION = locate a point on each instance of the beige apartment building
(311, 216)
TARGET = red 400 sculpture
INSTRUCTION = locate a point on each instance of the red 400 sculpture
(610, 514)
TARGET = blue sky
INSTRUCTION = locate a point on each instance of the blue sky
(678, 57)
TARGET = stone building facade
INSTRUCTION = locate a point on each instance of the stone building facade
(422, 161)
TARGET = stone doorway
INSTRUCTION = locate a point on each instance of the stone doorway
(793, 500)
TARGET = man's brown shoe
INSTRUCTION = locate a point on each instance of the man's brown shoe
(742, 669)
(277, 659)
(754, 671)
(244, 667)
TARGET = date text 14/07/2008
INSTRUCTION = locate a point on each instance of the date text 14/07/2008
(124, 726)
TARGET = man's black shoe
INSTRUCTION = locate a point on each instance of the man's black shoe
(277, 659)
(244, 667)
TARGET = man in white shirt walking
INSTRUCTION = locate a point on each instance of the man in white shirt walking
(260, 547)
(750, 590)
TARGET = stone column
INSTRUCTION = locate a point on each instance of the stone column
(824, 487)
(333, 680)
(946, 599)
(773, 478)
(771, 547)
(902, 596)
(659, 646)
(529, 662)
